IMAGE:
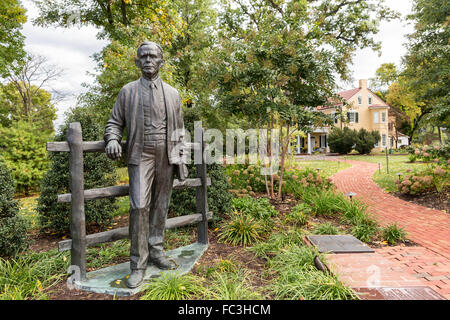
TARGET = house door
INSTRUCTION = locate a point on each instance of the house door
(313, 143)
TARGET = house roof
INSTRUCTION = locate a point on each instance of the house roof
(348, 94)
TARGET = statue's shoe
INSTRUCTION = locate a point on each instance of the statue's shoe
(163, 263)
(135, 279)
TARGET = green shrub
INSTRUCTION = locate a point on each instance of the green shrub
(300, 181)
(257, 208)
(99, 171)
(23, 149)
(437, 153)
(13, 228)
(219, 198)
(365, 141)
(393, 233)
(171, 286)
(342, 140)
(326, 228)
(240, 230)
(434, 177)
(246, 178)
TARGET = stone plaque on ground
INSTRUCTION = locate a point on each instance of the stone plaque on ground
(339, 244)
(406, 293)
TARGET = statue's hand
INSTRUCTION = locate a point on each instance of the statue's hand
(113, 150)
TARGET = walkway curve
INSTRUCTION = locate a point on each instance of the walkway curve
(428, 227)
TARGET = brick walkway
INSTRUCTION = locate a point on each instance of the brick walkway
(424, 265)
(397, 266)
(428, 227)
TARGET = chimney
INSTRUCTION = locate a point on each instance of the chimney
(363, 83)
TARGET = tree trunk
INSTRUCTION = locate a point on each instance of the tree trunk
(272, 195)
(284, 148)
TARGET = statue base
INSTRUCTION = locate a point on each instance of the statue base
(111, 280)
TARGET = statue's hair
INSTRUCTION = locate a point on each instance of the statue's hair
(147, 43)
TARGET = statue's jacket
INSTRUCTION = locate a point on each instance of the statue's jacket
(128, 112)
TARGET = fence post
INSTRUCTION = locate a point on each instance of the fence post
(201, 191)
(77, 217)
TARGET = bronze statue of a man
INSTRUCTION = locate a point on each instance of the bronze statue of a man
(150, 110)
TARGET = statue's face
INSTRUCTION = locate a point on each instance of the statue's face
(149, 60)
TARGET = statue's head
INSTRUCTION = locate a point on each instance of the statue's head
(149, 58)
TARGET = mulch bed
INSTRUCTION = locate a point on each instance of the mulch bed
(432, 200)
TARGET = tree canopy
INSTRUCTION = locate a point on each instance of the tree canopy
(12, 17)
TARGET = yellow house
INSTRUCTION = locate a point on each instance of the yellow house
(365, 110)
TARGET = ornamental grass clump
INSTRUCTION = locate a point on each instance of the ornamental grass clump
(278, 241)
(297, 277)
(330, 203)
(326, 229)
(393, 233)
(241, 229)
(325, 202)
(28, 275)
(231, 286)
(299, 215)
(171, 286)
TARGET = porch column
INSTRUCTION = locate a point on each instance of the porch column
(326, 144)
(298, 144)
(309, 144)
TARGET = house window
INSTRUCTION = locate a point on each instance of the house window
(334, 116)
(353, 116)
(376, 117)
(383, 140)
(383, 117)
(370, 100)
(360, 100)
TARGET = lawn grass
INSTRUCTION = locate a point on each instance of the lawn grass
(327, 167)
(397, 164)
(27, 209)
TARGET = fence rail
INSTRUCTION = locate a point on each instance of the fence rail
(80, 241)
(123, 190)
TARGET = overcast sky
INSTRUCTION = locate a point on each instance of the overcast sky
(72, 49)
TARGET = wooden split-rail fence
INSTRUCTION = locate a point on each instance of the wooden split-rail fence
(80, 241)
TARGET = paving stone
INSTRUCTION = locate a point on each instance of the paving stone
(339, 244)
